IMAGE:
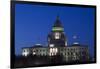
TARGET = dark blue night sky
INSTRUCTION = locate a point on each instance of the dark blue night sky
(34, 22)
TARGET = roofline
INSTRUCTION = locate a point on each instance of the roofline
(56, 47)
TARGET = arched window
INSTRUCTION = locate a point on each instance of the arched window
(57, 35)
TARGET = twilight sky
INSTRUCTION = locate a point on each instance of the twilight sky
(34, 22)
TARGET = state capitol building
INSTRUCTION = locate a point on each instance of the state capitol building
(57, 46)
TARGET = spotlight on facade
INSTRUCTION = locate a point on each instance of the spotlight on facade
(53, 51)
(25, 52)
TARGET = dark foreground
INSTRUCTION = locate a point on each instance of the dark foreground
(37, 61)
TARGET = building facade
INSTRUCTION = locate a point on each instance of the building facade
(57, 45)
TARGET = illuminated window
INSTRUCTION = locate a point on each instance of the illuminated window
(57, 35)
(34, 52)
(66, 43)
(51, 45)
(25, 52)
(48, 39)
(53, 51)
